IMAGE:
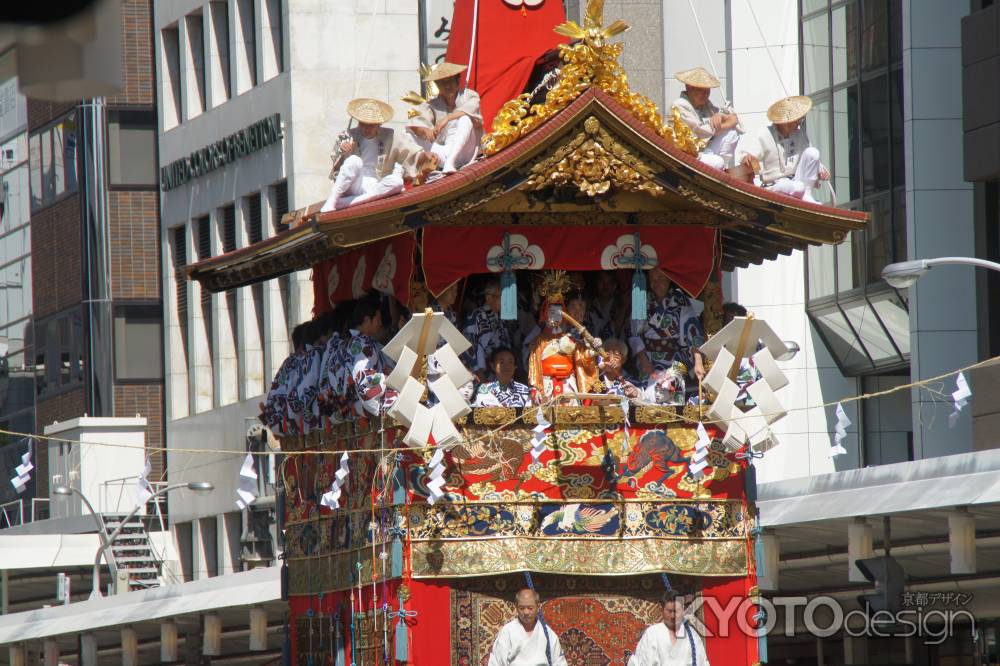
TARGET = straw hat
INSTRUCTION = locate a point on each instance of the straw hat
(443, 70)
(371, 111)
(697, 77)
(789, 109)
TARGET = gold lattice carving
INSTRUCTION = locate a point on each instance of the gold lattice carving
(595, 162)
(464, 203)
(591, 61)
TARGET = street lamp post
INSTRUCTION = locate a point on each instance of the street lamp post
(108, 539)
(904, 273)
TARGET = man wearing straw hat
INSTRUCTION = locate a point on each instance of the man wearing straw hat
(450, 125)
(370, 161)
(781, 153)
(721, 129)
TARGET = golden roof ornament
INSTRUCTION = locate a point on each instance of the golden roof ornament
(591, 60)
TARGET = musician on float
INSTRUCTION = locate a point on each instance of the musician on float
(669, 337)
(721, 129)
(370, 161)
(782, 154)
(449, 125)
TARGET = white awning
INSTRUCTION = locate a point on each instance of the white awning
(246, 588)
(966, 479)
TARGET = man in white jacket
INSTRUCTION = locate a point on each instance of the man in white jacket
(782, 155)
(672, 642)
(527, 640)
(721, 129)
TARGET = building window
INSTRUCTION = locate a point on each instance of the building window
(132, 148)
(229, 228)
(195, 80)
(138, 342)
(180, 284)
(58, 353)
(273, 43)
(246, 43)
(220, 46)
(52, 159)
(851, 70)
(255, 229)
(170, 82)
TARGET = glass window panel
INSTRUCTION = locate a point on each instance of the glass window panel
(809, 6)
(874, 34)
(845, 43)
(849, 262)
(138, 344)
(841, 340)
(58, 161)
(896, 111)
(65, 351)
(880, 236)
(846, 145)
(893, 313)
(76, 346)
(816, 53)
(68, 128)
(48, 174)
(873, 336)
(818, 127)
(875, 134)
(132, 149)
(896, 30)
(899, 225)
(821, 277)
(35, 162)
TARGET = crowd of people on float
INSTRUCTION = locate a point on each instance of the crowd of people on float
(442, 134)
(337, 372)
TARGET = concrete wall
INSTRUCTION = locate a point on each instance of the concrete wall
(939, 216)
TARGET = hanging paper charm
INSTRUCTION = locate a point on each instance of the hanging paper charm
(436, 476)
(247, 490)
(23, 471)
(738, 340)
(538, 436)
(699, 461)
(839, 432)
(143, 488)
(960, 397)
(331, 498)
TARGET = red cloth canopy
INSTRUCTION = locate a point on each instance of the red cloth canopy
(683, 252)
(385, 266)
(508, 41)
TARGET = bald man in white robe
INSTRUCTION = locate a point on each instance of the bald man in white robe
(523, 640)
(671, 642)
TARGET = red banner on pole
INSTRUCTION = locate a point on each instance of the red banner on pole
(685, 253)
(385, 266)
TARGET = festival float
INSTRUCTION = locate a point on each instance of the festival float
(406, 536)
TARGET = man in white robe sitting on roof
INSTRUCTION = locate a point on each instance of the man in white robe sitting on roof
(370, 161)
(449, 125)
(527, 640)
(720, 128)
(781, 153)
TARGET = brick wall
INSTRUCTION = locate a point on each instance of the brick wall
(135, 244)
(62, 407)
(56, 259)
(41, 112)
(137, 55)
(145, 400)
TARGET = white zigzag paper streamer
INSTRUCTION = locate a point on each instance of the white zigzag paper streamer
(247, 490)
(538, 436)
(23, 471)
(143, 489)
(625, 405)
(436, 482)
(331, 498)
(961, 397)
(699, 460)
(839, 432)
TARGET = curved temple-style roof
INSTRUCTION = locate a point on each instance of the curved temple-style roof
(592, 163)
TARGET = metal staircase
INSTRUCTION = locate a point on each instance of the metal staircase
(132, 552)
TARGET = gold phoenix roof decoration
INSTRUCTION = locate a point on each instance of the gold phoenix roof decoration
(590, 61)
